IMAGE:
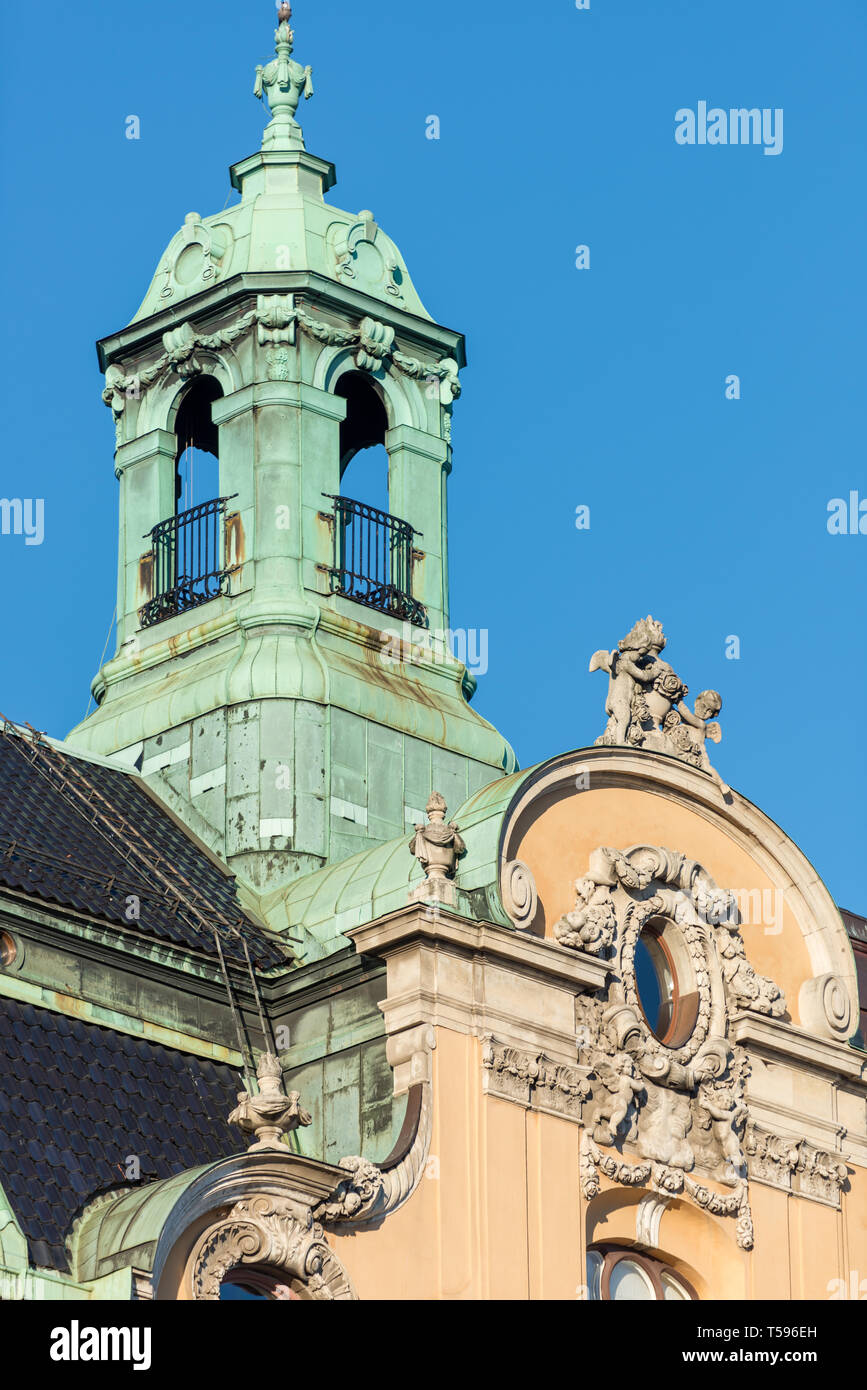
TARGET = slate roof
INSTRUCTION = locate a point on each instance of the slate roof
(50, 849)
(855, 925)
(77, 1099)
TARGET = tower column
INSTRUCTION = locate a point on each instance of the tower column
(418, 466)
(146, 468)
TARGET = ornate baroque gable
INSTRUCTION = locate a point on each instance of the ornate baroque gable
(672, 1094)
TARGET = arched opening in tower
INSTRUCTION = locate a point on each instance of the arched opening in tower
(197, 477)
(363, 456)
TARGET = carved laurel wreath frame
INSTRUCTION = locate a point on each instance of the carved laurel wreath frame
(674, 908)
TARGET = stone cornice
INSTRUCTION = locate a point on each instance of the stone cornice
(776, 1039)
(478, 978)
(328, 294)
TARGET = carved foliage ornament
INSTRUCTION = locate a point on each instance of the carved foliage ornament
(794, 1165)
(271, 1231)
(666, 1182)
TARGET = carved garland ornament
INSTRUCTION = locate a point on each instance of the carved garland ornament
(667, 1182)
(271, 1231)
(277, 317)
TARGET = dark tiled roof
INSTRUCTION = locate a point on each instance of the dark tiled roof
(50, 849)
(77, 1099)
(856, 926)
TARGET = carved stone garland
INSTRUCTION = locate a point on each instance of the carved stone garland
(277, 317)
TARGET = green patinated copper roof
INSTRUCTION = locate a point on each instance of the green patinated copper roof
(282, 221)
(124, 1231)
(317, 909)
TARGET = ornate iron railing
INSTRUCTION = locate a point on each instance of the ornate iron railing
(187, 561)
(373, 558)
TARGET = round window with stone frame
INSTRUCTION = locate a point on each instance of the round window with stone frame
(665, 978)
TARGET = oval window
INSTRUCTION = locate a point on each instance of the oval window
(665, 982)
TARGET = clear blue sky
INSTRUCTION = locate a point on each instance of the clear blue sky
(602, 387)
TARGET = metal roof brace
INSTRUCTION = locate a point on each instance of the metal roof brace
(75, 787)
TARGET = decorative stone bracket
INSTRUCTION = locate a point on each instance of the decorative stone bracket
(533, 1080)
(794, 1165)
(370, 1193)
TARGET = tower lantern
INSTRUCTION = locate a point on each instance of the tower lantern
(284, 664)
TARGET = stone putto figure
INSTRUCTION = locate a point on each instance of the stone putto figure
(645, 701)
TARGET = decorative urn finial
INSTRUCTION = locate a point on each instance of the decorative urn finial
(283, 81)
(270, 1114)
(437, 846)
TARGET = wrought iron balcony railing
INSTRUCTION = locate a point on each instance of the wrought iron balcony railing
(373, 557)
(187, 561)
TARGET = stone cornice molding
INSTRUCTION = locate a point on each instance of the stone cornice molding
(795, 1165)
(775, 1039)
(533, 1080)
(277, 320)
(478, 978)
(218, 299)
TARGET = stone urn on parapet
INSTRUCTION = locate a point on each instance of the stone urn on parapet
(437, 846)
(271, 1113)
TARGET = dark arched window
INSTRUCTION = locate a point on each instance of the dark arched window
(198, 470)
(258, 1283)
(363, 456)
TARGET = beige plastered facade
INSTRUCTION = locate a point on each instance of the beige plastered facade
(499, 1209)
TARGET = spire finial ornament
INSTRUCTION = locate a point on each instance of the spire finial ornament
(283, 81)
(270, 1114)
(437, 846)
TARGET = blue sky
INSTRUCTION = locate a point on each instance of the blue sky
(602, 387)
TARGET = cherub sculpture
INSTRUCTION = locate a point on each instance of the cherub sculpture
(646, 706)
(620, 1078)
(631, 668)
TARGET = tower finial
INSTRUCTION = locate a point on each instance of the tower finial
(283, 81)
